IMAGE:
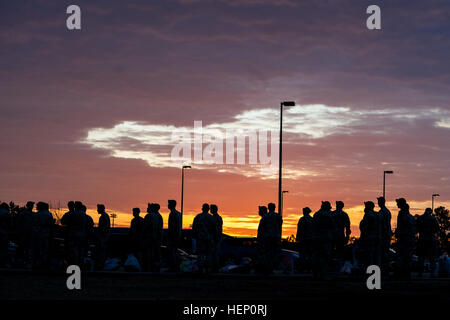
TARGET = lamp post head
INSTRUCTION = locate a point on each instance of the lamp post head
(186, 167)
(436, 195)
(389, 171)
(285, 191)
(288, 103)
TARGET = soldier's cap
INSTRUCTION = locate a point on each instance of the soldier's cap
(30, 203)
(400, 200)
(381, 198)
(307, 210)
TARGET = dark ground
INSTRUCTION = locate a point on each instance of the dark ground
(131, 286)
(166, 296)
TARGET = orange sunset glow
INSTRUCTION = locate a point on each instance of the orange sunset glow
(90, 115)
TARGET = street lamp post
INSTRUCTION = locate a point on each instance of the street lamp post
(432, 201)
(282, 197)
(384, 181)
(280, 204)
(182, 191)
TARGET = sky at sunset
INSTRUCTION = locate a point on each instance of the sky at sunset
(89, 114)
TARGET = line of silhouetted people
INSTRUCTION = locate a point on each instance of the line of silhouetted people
(35, 231)
(325, 235)
(146, 237)
(320, 237)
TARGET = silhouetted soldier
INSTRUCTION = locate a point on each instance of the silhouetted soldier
(25, 232)
(405, 234)
(4, 231)
(153, 227)
(342, 231)
(76, 222)
(103, 232)
(89, 231)
(42, 231)
(305, 238)
(271, 226)
(136, 234)
(370, 238)
(262, 211)
(427, 227)
(174, 235)
(65, 221)
(323, 228)
(386, 233)
(219, 221)
(205, 232)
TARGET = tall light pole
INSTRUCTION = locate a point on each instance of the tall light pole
(432, 201)
(280, 204)
(384, 181)
(282, 197)
(182, 191)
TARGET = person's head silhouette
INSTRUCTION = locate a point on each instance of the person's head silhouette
(40, 206)
(100, 208)
(136, 212)
(205, 208)
(428, 211)
(71, 205)
(83, 208)
(171, 204)
(30, 205)
(149, 207)
(271, 206)
(339, 205)
(306, 211)
(326, 205)
(78, 205)
(401, 202)
(156, 207)
(381, 201)
(262, 210)
(214, 208)
(369, 205)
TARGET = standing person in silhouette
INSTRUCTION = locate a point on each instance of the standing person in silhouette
(262, 211)
(153, 228)
(24, 232)
(102, 234)
(5, 220)
(174, 235)
(427, 227)
(89, 234)
(386, 234)
(65, 222)
(219, 222)
(405, 234)
(147, 239)
(342, 232)
(323, 228)
(42, 231)
(271, 225)
(205, 231)
(76, 223)
(135, 234)
(304, 239)
(370, 239)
